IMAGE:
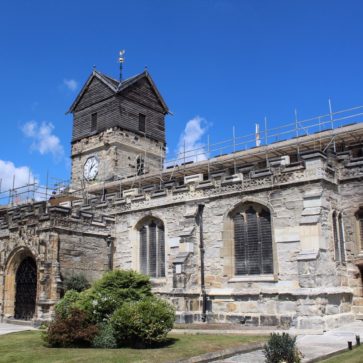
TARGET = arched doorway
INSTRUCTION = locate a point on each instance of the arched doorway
(26, 289)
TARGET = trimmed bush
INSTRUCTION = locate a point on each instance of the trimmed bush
(62, 309)
(82, 318)
(144, 322)
(75, 282)
(105, 337)
(111, 291)
(281, 348)
(73, 331)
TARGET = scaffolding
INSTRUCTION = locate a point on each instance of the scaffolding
(316, 133)
(33, 191)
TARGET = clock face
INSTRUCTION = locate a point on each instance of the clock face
(91, 168)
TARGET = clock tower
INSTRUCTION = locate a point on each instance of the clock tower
(118, 129)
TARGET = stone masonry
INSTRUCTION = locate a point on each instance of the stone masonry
(306, 193)
(308, 289)
(117, 151)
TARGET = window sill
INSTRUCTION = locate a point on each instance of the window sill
(253, 278)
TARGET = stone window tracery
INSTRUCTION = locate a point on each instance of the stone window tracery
(338, 235)
(152, 248)
(253, 253)
(140, 164)
(359, 216)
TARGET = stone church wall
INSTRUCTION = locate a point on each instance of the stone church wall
(308, 289)
(60, 243)
(80, 253)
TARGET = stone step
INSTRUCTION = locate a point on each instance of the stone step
(19, 322)
(359, 317)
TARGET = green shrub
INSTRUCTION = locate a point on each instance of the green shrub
(73, 331)
(77, 282)
(281, 348)
(105, 337)
(111, 291)
(62, 309)
(130, 285)
(144, 322)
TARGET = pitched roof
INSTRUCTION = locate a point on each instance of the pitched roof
(118, 87)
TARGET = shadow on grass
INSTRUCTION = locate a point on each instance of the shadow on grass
(131, 345)
(166, 343)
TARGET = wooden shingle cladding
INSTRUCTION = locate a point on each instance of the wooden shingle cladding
(108, 116)
(129, 120)
(96, 92)
(142, 93)
(119, 107)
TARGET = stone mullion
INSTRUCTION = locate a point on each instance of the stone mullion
(148, 250)
(259, 241)
(341, 238)
(157, 262)
(335, 237)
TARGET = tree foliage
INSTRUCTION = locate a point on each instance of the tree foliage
(111, 291)
(143, 322)
(117, 310)
(73, 331)
(77, 282)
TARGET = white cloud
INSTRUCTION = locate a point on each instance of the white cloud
(191, 140)
(44, 141)
(11, 175)
(71, 84)
(19, 184)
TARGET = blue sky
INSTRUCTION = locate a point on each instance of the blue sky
(229, 63)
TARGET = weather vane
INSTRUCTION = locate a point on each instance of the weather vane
(121, 60)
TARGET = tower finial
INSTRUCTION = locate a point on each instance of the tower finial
(121, 60)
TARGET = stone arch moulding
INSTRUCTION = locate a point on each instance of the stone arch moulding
(228, 241)
(145, 218)
(11, 267)
(251, 200)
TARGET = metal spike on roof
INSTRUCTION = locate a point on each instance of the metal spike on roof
(121, 60)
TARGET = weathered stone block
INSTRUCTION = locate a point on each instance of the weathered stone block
(310, 323)
(286, 307)
(269, 320)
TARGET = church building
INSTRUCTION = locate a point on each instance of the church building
(268, 235)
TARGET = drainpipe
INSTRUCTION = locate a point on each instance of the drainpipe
(109, 241)
(201, 250)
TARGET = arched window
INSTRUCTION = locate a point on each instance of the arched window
(152, 248)
(338, 235)
(359, 216)
(252, 241)
(140, 165)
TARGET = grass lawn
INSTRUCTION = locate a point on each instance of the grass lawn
(352, 356)
(28, 347)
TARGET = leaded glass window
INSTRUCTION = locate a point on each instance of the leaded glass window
(252, 241)
(338, 235)
(360, 226)
(152, 248)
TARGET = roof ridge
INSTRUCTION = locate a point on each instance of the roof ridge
(118, 87)
(127, 80)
